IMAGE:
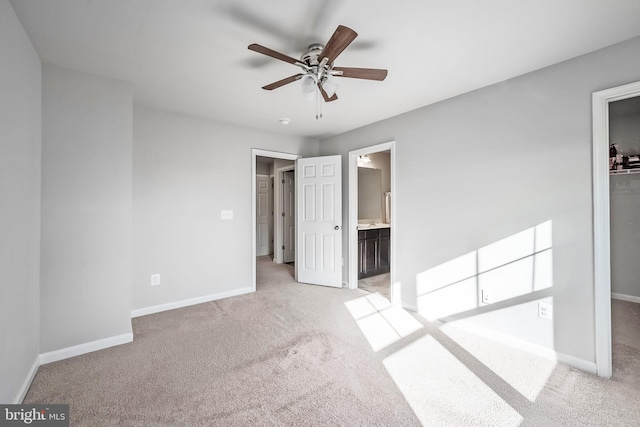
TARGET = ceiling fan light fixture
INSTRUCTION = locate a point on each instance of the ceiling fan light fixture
(309, 84)
(364, 160)
(330, 86)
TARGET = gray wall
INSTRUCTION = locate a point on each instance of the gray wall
(86, 208)
(488, 164)
(624, 125)
(20, 135)
(625, 234)
(186, 170)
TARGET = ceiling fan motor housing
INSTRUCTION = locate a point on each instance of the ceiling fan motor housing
(310, 57)
(319, 70)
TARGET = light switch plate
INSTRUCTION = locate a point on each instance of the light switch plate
(226, 214)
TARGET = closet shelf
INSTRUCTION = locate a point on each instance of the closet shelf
(625, 171)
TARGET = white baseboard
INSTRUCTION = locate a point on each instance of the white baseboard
(77, 350)
(27, 381)
(410, 307)
(505, 339)
(624, 297)
(539, 350)
(577, 363)
(187, 302)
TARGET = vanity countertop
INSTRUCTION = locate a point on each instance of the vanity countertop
(375, 226)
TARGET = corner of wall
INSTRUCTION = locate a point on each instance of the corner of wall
(20, 181)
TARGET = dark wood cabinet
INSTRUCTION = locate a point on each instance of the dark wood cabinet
(384, 250)
(374, 250)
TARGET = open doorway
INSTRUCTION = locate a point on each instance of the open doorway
(371, 220)
(318, 202)
(605, 171)
(270, 218)
(624, 204)
(275, 209)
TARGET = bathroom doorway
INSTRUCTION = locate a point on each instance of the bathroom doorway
(371, 221)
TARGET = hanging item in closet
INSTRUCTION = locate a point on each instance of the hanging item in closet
(613, 152)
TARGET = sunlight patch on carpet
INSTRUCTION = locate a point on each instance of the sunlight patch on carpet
(525, 371)
(381, 323)
(443, 391)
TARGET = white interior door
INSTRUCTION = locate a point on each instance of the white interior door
(319, 220)
(262, 215)
(270, 220)
(289, 216)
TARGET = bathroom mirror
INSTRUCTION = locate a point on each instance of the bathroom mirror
(370, 194)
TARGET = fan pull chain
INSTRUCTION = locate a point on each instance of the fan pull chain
(318, 104)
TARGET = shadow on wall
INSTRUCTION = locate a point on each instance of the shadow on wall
(518, 265)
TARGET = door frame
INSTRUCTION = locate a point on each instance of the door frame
(277, 219)
(352, 233)
(601, 221)
(255, 152)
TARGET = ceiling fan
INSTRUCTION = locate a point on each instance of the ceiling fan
(317, 66)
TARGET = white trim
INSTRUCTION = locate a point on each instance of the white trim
(504, 339)
(536, 349)
(27, 381)
(601, 231)
(77, 350)
(352, 228)
(576, 362)
(187, 302)
(410, 307)
(623, 297)
(277, 199)
(255, 152)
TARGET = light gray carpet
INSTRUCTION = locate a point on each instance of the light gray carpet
(301, 355)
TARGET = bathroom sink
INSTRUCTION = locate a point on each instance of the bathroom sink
(373, 226)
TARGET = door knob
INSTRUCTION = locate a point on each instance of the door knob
(337, 227)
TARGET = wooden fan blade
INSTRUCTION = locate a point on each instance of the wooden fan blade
(325, 95)
(341, 38)
(282, 82)
(361, 73)
(272, 53)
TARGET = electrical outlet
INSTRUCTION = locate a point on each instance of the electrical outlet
(485, 297)
(226, 214)
(155, 279)
(545, 310)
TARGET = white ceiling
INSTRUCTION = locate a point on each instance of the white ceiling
(191, 56)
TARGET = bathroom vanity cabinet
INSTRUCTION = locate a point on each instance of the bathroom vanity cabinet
(374, 252)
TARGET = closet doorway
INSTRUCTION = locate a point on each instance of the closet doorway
(612, 193)
(624, 206)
